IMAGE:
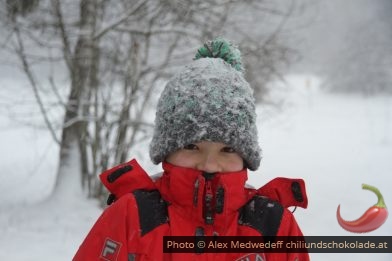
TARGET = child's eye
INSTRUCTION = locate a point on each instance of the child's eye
(228, 150)
(190, 147)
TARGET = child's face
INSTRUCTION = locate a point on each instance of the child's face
(207, 156)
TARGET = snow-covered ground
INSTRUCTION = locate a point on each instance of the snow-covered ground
(334, 142)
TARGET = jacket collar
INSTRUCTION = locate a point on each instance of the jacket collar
(200, 194)
(177, 186)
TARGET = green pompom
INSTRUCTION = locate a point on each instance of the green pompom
(221, 48)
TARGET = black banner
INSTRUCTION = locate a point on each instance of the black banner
(253, 244)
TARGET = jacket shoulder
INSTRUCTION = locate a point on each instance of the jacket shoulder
(262, 214)
(152, 210)
(288, 192)
(267, 210)
(146, 206)
(125, 178)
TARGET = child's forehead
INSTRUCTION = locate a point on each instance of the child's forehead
(208, 143)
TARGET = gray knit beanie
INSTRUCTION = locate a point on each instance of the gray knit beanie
(209, 100)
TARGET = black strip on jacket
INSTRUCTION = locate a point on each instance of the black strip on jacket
(262, 214)
(152, 210)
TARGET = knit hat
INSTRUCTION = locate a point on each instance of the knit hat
(209, 100)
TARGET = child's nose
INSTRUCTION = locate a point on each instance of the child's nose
(210, 163)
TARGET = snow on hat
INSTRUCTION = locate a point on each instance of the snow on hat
(209, 100)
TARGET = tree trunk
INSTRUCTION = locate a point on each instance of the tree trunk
(73, 155)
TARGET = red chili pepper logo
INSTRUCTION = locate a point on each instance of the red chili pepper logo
(372, 219)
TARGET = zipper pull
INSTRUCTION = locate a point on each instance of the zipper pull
(219, 200)
(208, 211)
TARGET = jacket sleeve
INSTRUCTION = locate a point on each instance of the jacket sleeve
(108, 238)
(289, 228)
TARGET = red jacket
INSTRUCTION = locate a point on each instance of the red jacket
(186, 202)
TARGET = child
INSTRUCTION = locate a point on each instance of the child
(206, 138)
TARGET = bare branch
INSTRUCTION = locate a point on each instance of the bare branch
(33, 83)
(67, 54)
(56, 92)
(280, 26)
(123, 19)
(163, 31)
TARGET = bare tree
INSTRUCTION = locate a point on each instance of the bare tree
(260, 30)
(115, 55)
(356, 52)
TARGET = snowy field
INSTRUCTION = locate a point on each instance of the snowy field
(335, 143)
